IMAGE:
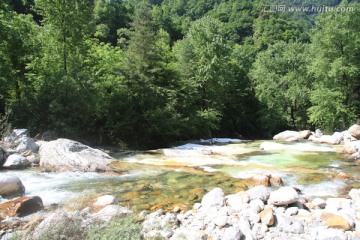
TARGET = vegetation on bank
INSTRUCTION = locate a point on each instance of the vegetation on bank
(147, 72)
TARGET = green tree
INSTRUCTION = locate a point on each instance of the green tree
(203, 63)
(281, 83)
(336, 68)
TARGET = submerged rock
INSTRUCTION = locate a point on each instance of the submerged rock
(11, 186)
(66, 154)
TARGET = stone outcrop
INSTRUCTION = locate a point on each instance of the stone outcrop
(65, 154)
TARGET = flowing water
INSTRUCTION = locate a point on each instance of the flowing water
(181, 175)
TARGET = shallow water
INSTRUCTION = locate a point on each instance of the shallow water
(181, 175)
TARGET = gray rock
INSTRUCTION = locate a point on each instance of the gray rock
(283, 196)
(17, 135)
(16, 161)
(232, 233)
(11, 186)
(27, 144)
(338, 136)
(214, 198)
(289, 224)
(111, 211)
(71, 155)
(258, 192)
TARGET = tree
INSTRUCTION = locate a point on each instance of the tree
(336, 68)
(202, 61)
(281, 83)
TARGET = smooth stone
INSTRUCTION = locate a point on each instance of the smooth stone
(214, 198)
(221, 221)
(236, 201)
(258, 192)
(16, 161)
(71, 155)
(338, 222)
(17, 134)
(354, 130)
(260, 180)
(257, 205)
(335, 204)
(355, 194)
(292, 211)
(318, 203)
(105, 200)
(11, 186)
(232, 233)
(289, 224)
(267, 217)
(27, 144)
(111, 211)
(283, 196)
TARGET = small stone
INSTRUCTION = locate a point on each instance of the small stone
(303, 212)
(105, 201)
(258, 192)
(267, 217)
(22, 206)
(318, 203)
(260, 180)
(257, 205)
(167, 233)
(355, 194)
(291, 211)
(213, 198)
(338, 222)
(232, 232)
(176, 209)
(16, 161)
(236, 201)
(221, 221)
(276, 180)
(283, 196)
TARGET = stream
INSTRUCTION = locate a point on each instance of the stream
(180, 176)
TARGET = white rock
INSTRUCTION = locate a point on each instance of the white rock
(283, 196)
(236, 201)
(355, 131)
(318, 202)
(105, 200)
(355, 194)
(214, 198)
(303, 212)
(331, 234)
(17, 135)
(232, 233)
(257, 205)
(291, 211)
(221, 221)
(335, 204)
(16, 161)
(72, 155)
(258, 192)
(111, 211)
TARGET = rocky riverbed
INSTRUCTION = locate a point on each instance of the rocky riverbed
(254, 174)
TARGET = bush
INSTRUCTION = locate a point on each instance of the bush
(125, 228)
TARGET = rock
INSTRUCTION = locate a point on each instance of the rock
(17, 135)
(289, 224)
(318, 133)
(214, 198)
(33, 159)
(355, 131)
(2, 157)
(318, 203)
(338, 136)
(22, 206)
(355, 194)
(331, 234)
(351, 147)
(232, 233)
(291, 211)
(267, 217)
(338, 222)
(328, 139)
(342, 175)
(258, 192)
(286, 135)
(11, 186)
(236, 201)
(27, 144)
(16, 161)
(71, 155)
(111, 211)
(260, 180)
(104, 201)
(221, 221)
(283, 196)
(257, 205)
(276, 180)
(335, 204)
(355, 156)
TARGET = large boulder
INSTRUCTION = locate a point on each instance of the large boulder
(11, 186)
(328, 139)
(283, 196)
(351, 147)
(27, 144)
(16, 161)
(292, 135)
(65, 154)
(22, 206)
(355, 131)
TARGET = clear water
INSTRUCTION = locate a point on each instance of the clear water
(180, 176)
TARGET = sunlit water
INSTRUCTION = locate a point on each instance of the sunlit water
(181, 175)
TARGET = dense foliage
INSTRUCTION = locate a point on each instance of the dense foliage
(150, 72)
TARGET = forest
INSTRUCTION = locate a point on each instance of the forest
(148, 73)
